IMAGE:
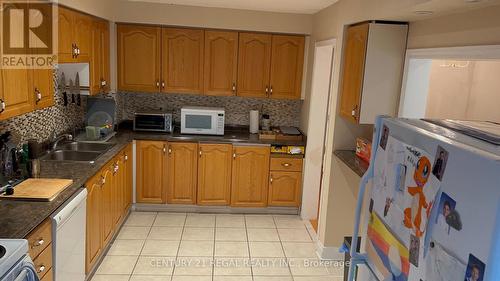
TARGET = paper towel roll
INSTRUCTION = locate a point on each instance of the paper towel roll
(254, 121)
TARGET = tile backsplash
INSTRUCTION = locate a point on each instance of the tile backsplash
(282, 112)
(42, 123)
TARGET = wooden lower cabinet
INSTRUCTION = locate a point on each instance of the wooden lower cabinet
(214, 174)
(106, 198)
(182, 172)
(40, 249)
(285, 189)
(151, 168)
(250, 176)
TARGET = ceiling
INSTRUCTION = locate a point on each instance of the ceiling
(280, 6)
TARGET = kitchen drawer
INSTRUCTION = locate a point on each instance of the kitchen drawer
(286, 164)
(43, 263)
(39, 238)
(49, 276)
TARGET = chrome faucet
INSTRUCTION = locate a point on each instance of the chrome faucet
(60, 138)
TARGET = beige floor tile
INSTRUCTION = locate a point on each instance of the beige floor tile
(294, 235)
(232, 278)
(191, 278)
(272, 278)
(270, 267)
(198, 234)
(133, 232)
(160, 248)
(266, 250)
(308, 267)
(117, 265)
(141, 219)
(200, 220)
(232, 267)
(108, 277)
(230, 234)
(165, 233)
(170, 219)
(126, 248)
(196, 249)
(259, 221)
(231, 249)
(149, 278)
(289, 222)
(234, 221)
(263, 234)
(154, 266)
(299, 250)
(193, 266)
(317, 278)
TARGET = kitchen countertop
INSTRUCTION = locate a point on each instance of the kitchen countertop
(349, 157)
(19, 218)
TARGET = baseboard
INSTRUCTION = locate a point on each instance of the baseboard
(213, 209)
(328, 253)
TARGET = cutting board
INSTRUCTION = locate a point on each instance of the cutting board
(38, 189)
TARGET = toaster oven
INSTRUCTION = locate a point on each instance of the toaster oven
(153, 122)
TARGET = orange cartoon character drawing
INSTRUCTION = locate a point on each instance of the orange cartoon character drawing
(413, 214)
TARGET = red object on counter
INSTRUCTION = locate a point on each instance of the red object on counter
(363, 149)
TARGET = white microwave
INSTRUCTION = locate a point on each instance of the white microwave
(202, 120)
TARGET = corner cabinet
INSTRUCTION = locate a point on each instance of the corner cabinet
(365, 90)
(250, 176)
(214, 174)
(152, 171)
(182, 172)
(138, 58)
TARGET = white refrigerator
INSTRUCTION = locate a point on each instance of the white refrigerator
(428, 206)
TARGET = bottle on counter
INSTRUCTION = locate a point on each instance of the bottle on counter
(266, 122)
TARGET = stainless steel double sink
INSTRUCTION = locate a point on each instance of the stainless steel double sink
(77, 152)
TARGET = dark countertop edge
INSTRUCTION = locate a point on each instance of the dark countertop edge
(86, 170)
(349, 157)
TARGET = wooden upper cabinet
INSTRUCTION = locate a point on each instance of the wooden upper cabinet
(287, 61)
(17, 95)
(182, 60)
(254, 59)
(285, 189)
(83, 36)
(250, 176)
(43, 87)
(353, 71)
(182, 173)
(221, 63)
(138, 58)
(94, 227)
(74, 33)
(151, 171)
(100, 58)
(65, 27)
(214, 174)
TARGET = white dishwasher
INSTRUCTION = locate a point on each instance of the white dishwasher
(69, 227)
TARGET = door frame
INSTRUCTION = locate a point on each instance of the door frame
(481, 52)
(306, 203)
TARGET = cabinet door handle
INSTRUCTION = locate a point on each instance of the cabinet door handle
(77, 51)
(286, 164)
(271, 91)
(169, 150)
(103, 181)
(2, 103)
(38, 96)
(103, 83)
(354, 112)
(234, 155)
(267, 90)
(73, 50)
(164, 149)
(234, 87)
(38, 243)
(200, 152)
(41, 269)
(126, 157)
(163, 84)
(271, 179)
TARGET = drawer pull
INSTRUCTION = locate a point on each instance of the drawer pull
(271, 179)
(41, 269)
(38, 243)
(286, 164)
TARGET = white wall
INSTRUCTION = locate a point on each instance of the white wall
(416, 87)
(320, 91)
